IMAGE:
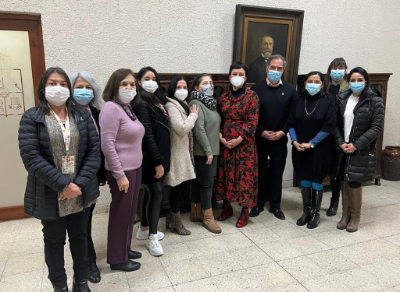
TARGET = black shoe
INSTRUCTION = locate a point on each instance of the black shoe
(94, 273)
(128, 266)
(82, 286)
(332, 210)
(134, 255)
(278, 213)
(255, 211)
(63, 289)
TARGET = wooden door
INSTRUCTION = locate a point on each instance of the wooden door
(21, 66)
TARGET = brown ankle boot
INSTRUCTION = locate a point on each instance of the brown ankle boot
(345, 206)
(355, 209)
(174, 223)
(209, 221)
(196, 215)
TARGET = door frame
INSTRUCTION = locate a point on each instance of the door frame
(32, 23)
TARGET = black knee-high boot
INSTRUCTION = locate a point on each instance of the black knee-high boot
(306, 195)
(316, 197)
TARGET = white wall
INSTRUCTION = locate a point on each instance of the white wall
(197, 36)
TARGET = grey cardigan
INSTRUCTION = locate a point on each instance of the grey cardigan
(206, 131)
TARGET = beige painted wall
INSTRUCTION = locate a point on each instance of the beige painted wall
(197, 36)
(14, 54)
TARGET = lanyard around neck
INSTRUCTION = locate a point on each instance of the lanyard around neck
(65, 130)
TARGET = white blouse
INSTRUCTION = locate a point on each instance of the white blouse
(349, 116)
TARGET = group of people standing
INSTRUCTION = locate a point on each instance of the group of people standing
(236, 145)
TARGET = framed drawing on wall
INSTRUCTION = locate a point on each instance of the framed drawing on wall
(263, 31)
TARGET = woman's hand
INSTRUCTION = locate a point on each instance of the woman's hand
(123, 184)
(223, 140)
(159, 171)
(194, 109)
(349, 148)
(209, 159)
(298, 146)
(235, 142)
(72, 191)
(306, 145)
(342, 146)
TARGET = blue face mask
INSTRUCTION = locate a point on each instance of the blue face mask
(313, 88)
(274, 76)
(83, 96)
(208, 90)
(357, 87)
(337, 75)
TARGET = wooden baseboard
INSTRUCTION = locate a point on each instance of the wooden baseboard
(14, 212)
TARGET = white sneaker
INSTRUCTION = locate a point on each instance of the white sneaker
(143, 235)
(154, 246)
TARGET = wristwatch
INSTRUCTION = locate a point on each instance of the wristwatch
(312, 145)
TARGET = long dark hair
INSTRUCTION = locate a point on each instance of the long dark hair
(319, 73)
(111, 90)
(153, 99)
(172, 88)
(196, 82)
(43, 104)
(364, 73)
(239, 65)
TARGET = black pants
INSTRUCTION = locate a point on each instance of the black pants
(336, 186)
(54, 234)
(204, 181)
(276, 152)
(151, 204)
(90, 245)
(176, 193)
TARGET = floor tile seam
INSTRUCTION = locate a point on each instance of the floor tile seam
(328, 273)
(292, 276)
(165, 271)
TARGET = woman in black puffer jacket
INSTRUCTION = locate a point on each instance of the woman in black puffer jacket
(360, 117)
(60, 149)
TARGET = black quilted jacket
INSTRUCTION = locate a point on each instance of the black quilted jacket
(45, 181)
(156, 145)
(367, 126)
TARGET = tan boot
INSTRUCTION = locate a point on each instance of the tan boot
(209, 222)
(346, 207)
(174, 223)
(355, 209)
(196, 215)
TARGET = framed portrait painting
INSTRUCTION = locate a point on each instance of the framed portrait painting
(261, 32)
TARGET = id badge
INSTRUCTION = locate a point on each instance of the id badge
(68, 164)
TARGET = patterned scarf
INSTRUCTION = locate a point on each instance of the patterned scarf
(128, 109)
(208, 101)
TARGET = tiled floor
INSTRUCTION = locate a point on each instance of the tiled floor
(266, 255)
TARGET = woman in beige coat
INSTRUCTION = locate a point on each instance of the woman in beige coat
(182, 120)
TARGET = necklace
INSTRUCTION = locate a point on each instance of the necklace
(305, 108)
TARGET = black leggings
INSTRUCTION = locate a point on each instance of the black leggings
(151, 204)
(176, 193)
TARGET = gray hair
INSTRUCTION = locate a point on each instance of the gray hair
(97, 101)
(277, 57)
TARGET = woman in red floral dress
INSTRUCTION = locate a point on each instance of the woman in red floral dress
(237, 178)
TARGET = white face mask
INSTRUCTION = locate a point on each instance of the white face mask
(150, 86)
(237, 81)
(181, 94)
(57, 95)
(126, 95)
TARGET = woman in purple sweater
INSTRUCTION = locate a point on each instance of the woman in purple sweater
(121, 143)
